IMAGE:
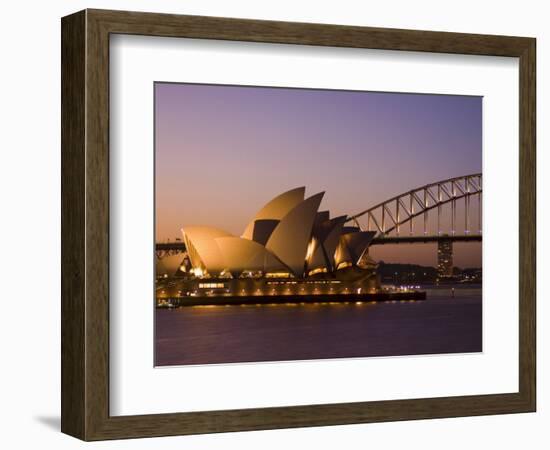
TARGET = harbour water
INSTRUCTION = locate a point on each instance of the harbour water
(446, 322)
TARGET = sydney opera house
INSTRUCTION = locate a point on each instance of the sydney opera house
(288, 248)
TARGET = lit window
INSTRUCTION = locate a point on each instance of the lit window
(278, 275)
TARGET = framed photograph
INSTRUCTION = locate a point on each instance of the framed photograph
(271, 224)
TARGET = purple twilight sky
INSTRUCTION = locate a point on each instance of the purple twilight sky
(222, 152)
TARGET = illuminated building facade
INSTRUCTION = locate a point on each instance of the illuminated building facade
(288, 237)
(288, 248)
(445, 258)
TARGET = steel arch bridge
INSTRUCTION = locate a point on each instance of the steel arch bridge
(394, 220)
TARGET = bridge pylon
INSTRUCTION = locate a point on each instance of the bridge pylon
(445, 258)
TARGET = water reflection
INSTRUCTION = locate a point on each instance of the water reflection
(298, 331)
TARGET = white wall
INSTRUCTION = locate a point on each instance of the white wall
(30, 230)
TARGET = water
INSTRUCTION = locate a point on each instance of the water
(220, 334)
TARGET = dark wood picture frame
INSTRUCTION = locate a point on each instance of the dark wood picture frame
(85, 224)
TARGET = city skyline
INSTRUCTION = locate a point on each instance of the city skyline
(222, 150)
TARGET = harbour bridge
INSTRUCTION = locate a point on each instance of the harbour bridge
(443, 212)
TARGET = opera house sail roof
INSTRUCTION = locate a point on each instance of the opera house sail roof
(288, 237)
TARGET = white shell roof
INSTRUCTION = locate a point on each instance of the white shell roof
(202, 240)
(277, 208)
(291, 236)
(328, 246)
(241, 254)
(296, 225)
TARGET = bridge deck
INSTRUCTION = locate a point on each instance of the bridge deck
(425, 239)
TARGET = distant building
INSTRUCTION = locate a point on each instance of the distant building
(445, 258)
